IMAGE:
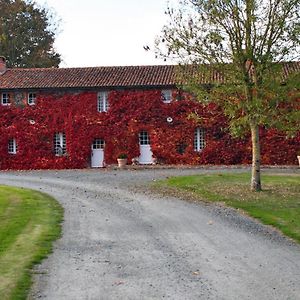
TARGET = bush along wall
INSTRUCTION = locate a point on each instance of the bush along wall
(130, 112)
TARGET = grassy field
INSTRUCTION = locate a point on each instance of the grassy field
(278, 204)
(29, 223)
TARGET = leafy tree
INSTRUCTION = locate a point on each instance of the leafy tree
(27, 34)
(245, 44)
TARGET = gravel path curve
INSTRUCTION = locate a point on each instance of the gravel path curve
(120, 243)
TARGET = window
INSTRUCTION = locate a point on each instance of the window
(199, 141)
(31, 98)
(5, 99)
(166, 96)
(98, 144)
(181, 147)
(103, 104)
(12, 146)
(144, 138)
(60, 143)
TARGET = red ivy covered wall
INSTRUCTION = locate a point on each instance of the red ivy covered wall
(130, 112)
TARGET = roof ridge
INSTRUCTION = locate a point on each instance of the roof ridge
(95, 67)
(120, 67)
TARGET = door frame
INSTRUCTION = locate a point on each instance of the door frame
(97, 146)
(145, 148)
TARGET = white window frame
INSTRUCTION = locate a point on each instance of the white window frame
(12, 146)
(144, 138)
(102, 102)
(98, 144)
(31, 98)
(166, 96)
(60, 144)
(199, 139)
(5, 99)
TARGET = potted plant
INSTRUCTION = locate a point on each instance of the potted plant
(122, 160)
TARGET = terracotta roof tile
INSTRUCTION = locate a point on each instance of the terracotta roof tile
(102, 77)
(132, 76)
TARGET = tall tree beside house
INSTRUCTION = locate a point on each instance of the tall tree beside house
(247, 44)
(27, 34)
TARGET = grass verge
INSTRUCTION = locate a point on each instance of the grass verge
(277, 205)
(29, 222)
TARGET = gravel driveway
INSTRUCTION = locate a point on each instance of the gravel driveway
(120, 243)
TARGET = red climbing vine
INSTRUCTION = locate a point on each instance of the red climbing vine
(75, 114)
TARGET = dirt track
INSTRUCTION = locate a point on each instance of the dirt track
(122, 244)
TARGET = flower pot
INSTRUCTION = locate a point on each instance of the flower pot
(122, 162)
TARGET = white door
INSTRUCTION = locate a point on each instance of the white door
(97, 159)
(145, 157)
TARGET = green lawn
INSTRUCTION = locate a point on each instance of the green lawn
(278, 204)
(29, 222)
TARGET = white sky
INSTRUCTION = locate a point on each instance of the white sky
(107, 32)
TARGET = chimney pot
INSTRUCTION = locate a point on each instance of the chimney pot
(2, 65)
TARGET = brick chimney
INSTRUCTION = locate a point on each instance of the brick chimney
(2, 65)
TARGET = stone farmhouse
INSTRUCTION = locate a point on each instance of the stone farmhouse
(86, 117)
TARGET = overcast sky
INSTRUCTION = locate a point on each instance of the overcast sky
(107, 32)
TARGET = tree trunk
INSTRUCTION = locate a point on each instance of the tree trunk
(255, 179)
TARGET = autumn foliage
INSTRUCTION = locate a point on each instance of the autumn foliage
(130, 112)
